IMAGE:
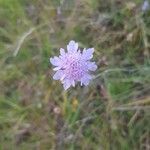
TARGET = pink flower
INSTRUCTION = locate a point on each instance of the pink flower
(73, 66)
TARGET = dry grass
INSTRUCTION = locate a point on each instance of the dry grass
(111, 113)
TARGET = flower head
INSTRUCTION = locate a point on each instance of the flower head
(73, 66)
(145, 6)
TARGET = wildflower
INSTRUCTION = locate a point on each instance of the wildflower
(73, 66)
(145, 6)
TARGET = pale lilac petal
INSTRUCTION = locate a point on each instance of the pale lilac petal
(73, 83)
(86, 79)
(72, 47)
(58, 75)
(56, 61)
(62, 57)
(62, 77)
(88, 54)
(92, 66)
(56, 68)
(79, 52)
(62, 52)
(66, 84)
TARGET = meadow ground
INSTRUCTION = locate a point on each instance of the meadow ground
(113, 112)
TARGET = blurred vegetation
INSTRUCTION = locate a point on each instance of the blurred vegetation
(113, 112)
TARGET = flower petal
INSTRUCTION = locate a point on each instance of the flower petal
(88, 54)
(58, 75)
(56, 61)
(66, 84)
(73, 83)
(91, 66)
(86, 79)
(72, 47)
(62, 52)
(56, 68)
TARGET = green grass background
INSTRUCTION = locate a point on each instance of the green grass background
(112, 113)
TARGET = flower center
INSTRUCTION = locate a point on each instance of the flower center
(75, 68)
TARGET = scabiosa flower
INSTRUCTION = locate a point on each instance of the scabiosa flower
(145, 6)
(73, 66)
